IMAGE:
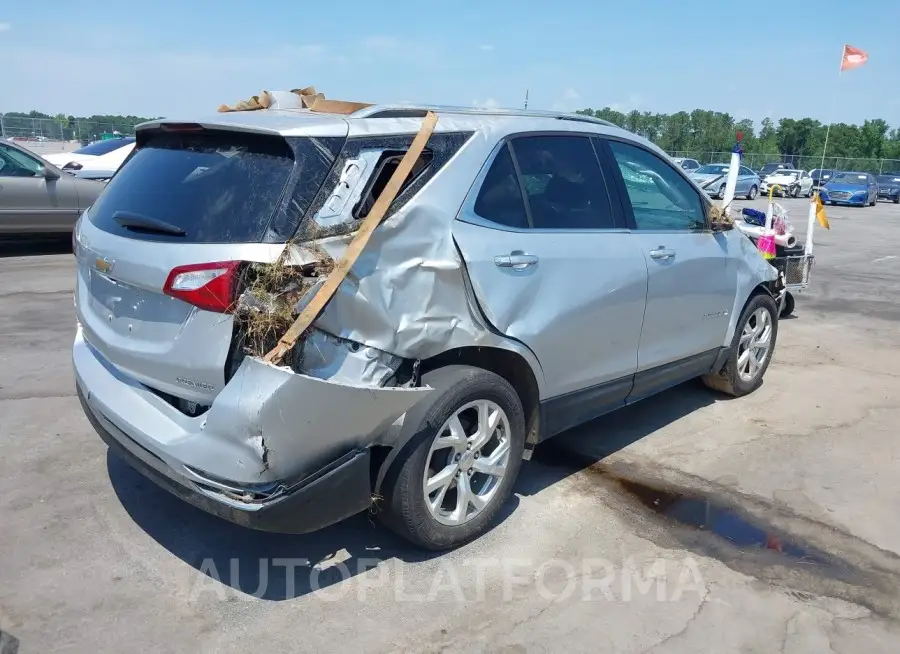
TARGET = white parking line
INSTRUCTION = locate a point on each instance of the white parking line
(890, 256)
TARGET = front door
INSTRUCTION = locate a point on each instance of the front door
(29, 201)
(690, 292)
(552, 265)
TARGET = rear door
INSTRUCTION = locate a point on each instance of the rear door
(31, 203)
(690, 292)
(553, 267)
(201, 198)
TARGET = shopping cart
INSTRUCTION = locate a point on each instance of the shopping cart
(793, 266)
(793, 262)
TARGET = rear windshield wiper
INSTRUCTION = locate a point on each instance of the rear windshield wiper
(130, 220)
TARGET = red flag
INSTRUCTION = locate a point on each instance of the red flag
(853, 58)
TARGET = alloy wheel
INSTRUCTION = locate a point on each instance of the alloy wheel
(755, 343)
(467, 462)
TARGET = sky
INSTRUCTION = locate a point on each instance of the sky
(171, 58)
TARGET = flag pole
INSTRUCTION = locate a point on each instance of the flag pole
(833, 106)
(814, 197)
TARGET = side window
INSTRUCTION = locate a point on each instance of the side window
(16, 164)
(384, 169)
(500, 198)
(562, 180)
(746, 171)
(660, 197)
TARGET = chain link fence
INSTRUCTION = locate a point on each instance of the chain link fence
(51, 129)
(757, 160)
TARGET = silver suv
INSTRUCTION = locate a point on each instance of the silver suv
(534, 272)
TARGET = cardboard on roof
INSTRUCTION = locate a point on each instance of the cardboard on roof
(306, 98)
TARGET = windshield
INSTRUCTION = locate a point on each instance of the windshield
(104, 147)
(854, 179)
(787, 173)
(712, 169)
(888, 179)
(218, 187)
(821, 172)
(768, 168)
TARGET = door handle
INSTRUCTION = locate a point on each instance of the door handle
(662, 254)
(515, 259)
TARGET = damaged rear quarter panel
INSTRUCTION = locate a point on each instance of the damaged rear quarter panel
(292, 424)
(407, 293)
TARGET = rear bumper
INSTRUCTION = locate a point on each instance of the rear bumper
(271, 440)
(329, 495)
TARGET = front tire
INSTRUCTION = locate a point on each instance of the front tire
(722, 192)
(751, 194)
(788, 307)
(461, 461)
(752, 347)
(897, 199)
(795, 191)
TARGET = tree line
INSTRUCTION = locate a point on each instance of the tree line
(695, 134)
(698, 133)
(62, 126)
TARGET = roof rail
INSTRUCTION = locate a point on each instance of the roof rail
(419, 111)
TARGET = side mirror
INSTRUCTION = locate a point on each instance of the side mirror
(48, 173)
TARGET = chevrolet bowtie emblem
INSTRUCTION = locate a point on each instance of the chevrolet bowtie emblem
(103, 264)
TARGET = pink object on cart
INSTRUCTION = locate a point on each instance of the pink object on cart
(766, 245)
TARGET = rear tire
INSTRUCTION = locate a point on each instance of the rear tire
(897, 199)
(758, 324)
(439, 520)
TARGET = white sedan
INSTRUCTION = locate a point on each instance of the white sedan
(89, 154)
(792, 182)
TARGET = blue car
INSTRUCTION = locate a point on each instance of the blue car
(858, 189)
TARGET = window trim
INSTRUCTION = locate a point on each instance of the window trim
(609, 160)
(467, 213)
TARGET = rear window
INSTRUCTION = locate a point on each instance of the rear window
(212, 187)
(104, 147)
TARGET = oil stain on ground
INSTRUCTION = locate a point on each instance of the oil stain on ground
(705, 514)
(712, 522)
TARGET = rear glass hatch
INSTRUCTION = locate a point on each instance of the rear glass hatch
(165, 242)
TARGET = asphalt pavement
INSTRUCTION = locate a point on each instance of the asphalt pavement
(689, 522)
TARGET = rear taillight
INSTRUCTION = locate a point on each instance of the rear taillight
(209, 286)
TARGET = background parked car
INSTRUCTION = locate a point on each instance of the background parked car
(770, 168)
(792, 183)
(889, 187)
(36, 197)
(821, 176)
(711, 178)
(854, 188)
(687, 164)
(77, 159)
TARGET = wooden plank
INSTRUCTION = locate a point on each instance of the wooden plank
(324, 106)
(327, 290)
